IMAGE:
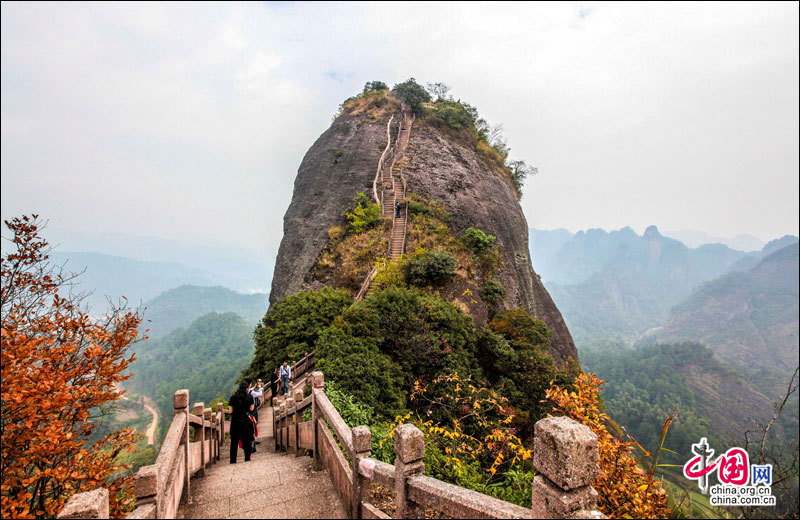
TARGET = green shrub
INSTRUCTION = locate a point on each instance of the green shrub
(492, 292)
(291, 328)
(353, 411)
(363, 214)
(513, 352)
(418, 208)
(454, 115)
(412, 93)
(477, 241)
(430, 267)
(372, 86)
(348, 355)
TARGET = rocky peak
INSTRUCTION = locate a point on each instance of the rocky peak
(343, 161)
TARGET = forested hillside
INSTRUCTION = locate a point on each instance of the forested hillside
(206, 357)
(180, 306)
(748, 319)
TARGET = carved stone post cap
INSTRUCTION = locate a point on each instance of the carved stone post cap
(317, 379)
(198, 409)
(207, 413)
(409, 443)
(146, 481)
(180, 400)
(565, 451)
(362, 439)
(219, 407)
(91, 504)
(298, 395)
(289, 402)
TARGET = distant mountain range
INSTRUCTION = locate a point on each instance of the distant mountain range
(618, 284)
(238, 268)
(691, 238)
(115, 277)
(748, 319)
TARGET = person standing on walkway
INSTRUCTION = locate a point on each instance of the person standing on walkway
(273, 384)
(257, 391)
(286, 375)
(241, 426)
(397, 209)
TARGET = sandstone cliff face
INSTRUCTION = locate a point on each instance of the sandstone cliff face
(438, 168)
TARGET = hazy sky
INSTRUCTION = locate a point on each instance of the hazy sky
(190, 120)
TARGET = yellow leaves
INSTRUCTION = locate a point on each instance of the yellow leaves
(624, 489)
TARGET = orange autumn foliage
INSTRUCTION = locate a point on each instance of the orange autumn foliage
(624, 489)
(59, 370)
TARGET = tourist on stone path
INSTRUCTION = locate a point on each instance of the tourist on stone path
(286, 375)
(241, 426)
(397, 209)
(273, 383)
(257, 391)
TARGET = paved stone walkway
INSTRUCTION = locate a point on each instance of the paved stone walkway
(271, 485)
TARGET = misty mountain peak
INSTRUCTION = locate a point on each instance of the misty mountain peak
(651, 232)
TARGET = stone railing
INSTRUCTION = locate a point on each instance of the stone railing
(160, 487)
(381, 161)
(565, 457)
(300, 370)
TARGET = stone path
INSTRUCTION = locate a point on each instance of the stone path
(271, 485)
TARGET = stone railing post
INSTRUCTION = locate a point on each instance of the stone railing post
(221, 416)
(180, 403)
(276, 422)
(209, 434)
(317, 383)
(298, 398)
(566, 458)
(289, 405)
(198, 410)
(91, 504)
(146, 484)
(409, 449)
(362, 444)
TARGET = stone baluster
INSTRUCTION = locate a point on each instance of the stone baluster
(91, 504)
(211, 452)
(566, 458)
(298, 398)
(180, 403)
(282, 422)
(289, 410)
(214, 436)
(362, 444)
(318, 384)
(409, 449)
(221, 415)
(200, 435)
(145, 485)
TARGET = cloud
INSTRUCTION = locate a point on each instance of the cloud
(190, 120)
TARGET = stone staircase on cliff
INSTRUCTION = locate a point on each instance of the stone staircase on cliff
(388, 190)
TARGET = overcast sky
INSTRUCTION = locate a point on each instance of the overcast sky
(190, 120)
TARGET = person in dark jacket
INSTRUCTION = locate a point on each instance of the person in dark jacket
(273, 383)
(397, 210)
(241, 426)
